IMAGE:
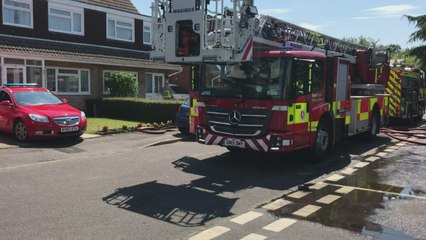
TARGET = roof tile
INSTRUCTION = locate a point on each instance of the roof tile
(77, 52)
(122, 5)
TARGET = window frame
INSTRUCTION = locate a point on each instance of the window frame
(72, 10)
(116, 19)
(107, 92)
(56, 91)
(147, 24)
(163, 81)
(31, 11)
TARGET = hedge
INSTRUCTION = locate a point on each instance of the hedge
(135, 109)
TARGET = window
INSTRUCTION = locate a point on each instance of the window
(73, 81)
(4, 96)
(35, 75)
(154, 83)
(18, 13)
(120, 28)
(106, 76)
(22, 71)
(317, 76)
(308, 76)
(15, 74)
(65, 19)
(147, 33)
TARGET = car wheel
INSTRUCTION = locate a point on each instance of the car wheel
(322, 141)
(20, 130)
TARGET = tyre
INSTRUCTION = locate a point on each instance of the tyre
(323, 141)
(20, 131)
(374, 125)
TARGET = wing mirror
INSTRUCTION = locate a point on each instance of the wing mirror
(65, 101)
(6, 103)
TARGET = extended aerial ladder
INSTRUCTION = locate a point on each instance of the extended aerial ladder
(209, 31)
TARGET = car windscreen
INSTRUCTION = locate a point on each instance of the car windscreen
(34, 98)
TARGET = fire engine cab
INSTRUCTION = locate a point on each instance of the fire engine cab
(265, 84)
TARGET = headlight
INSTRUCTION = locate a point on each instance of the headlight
(38, 118)
(83, 115)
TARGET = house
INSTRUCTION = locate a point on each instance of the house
(72, 46)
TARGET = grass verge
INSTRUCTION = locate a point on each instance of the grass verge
(96, 124)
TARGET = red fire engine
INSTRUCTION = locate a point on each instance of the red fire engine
(267, 85)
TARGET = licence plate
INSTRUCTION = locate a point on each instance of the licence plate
(234, 143)
(69, 129)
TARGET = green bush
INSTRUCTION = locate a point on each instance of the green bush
(137, 109)
(123, 84)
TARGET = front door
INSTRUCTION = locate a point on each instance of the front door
(14, 74)
(154, 85)
(6, 112)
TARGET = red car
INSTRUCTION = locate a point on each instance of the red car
(29, 112)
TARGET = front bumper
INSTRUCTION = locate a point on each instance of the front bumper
(45, 130)
(272, 142)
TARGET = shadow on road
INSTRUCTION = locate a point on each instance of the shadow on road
(203, 199)
(181, 205)
(41, 143)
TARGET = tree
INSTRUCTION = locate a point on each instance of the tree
(364, 41)
(123, 84)
(394, 48)
(418, 36)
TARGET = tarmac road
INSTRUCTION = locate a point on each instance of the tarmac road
(140, 186)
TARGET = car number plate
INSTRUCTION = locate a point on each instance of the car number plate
(69, 129)
(234, 143)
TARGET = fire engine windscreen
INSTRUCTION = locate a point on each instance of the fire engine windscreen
(260, 79)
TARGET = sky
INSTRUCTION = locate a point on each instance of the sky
(379, 19)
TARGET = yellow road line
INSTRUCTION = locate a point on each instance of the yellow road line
(349, 171)
(344, 189)
(277, 204)
(298, 194)
(372, 159)
(381, 154)
(328, 199)
(254, 236)
(307, 210)
(280, 224)
(318, 186)
(246, 217)
(210, 233)
(335, 177)
(361, 164)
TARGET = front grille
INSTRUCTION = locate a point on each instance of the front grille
(253, 123)
(67, 121)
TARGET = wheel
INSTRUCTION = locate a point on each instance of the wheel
(322, 141)
(20, 131)
(374, 125)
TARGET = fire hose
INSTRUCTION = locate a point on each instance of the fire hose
(411, 135)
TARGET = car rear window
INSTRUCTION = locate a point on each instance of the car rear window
(34, 98)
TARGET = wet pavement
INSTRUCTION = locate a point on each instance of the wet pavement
(363, 197)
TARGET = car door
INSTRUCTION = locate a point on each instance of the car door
(6, 112)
